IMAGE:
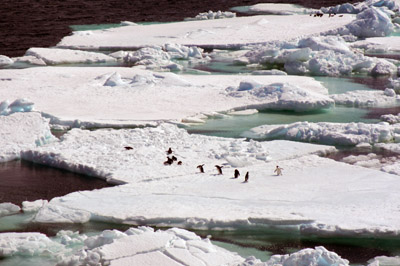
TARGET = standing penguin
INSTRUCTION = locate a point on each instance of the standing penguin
(246, 178)
(237, 174)
(219, 168)
(169, 151)
(278, 170)
(201, 168)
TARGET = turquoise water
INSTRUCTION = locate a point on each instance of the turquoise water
(233, 126)
(94, 27)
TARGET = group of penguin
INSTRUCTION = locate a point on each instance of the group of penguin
(172, 159)
(219, 168)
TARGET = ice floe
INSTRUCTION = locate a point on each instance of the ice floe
(54, 56)
(21, 131)
(362, 98)
(329, 133)
(101, 153)
(391, 119)
(318, 55)
(213, 15)
(206, 33)
(118, 97)
(278, 9)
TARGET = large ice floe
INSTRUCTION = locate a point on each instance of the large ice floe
(93, 97)
(329, 133)
(21, 131)
(143, 246)
(207, 33)
(172, 194)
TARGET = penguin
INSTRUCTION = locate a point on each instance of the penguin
(169, 151)
(201, 168)
(246, 178)
(219, 168)
(237, 174)
(180, 163)
(169, 161)
(174, 158)
(128, 148)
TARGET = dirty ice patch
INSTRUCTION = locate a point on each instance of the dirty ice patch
(206, 33)
(21, 131)
(309, 194)
(328, 133)
(281, 96)
(137, 155)
(55, 56)
(76, 96)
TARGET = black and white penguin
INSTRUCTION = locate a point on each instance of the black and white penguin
(201, 168)
(169, 161)
(169, 151)
(128, 148)
(219, 168)
(246, 178)
(237, 174)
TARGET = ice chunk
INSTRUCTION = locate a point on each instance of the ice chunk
(7, 208)
(5, 61)
(33, 206)
(114, 80)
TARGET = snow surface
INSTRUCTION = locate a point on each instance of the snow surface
(379, 44)
(94, 97)
(210, 33)
(329, 133)
(21, 131)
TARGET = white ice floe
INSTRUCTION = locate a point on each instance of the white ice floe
(135, 246)
(21, 131)
(360, 98)
(83, 97)
(328, 133)
(179, 195)
(102, 153)
(279, 9)
(286, 96)
(54, 56)
(384, 261)
(213, 15)
(160, 57)
(210, 33)
(318, 55)
(7, 208)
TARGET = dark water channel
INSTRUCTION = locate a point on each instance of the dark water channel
(26, 181)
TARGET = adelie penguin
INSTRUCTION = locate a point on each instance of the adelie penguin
(246, 178)
(219, 168)
(237, 174)
(201, 168)
(169, 151)
(169, 161)
(128, 148)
